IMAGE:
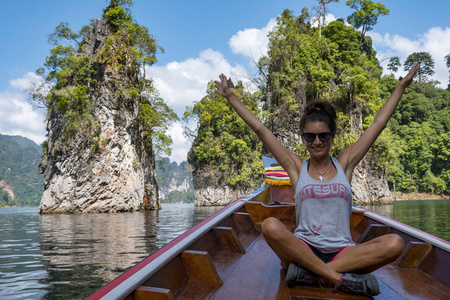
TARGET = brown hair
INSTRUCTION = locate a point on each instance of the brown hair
(319, 111)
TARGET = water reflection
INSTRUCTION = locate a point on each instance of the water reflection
(87, 250)
(431, 216)
(21, 269)
(71, 256)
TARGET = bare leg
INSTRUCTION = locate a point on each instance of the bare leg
(290, 249)
(363, 258)
(369, 256)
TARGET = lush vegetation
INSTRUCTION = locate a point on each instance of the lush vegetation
(419, 139)
(19, 158)
(170, 175)
(337, 63)
(223, 140)
(73, 78)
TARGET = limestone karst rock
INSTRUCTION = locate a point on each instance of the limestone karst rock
(114, 173)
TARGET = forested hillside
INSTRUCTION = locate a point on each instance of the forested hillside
(19, 158)
(337, 63)
(417, 141)
(174, 181)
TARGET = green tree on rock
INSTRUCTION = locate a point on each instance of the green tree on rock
(321, 12)
(447, 62)
(394, 64)
(426, 64)
(366, 15)
(72, 75)
(223, 143)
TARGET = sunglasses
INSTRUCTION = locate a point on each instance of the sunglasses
(323, 136)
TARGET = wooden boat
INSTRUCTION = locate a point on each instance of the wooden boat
(226, 257)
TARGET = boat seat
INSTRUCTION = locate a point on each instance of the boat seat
(372, 231)
(413, 256)
(145, 292)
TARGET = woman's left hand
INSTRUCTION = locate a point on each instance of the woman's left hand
(406, 81)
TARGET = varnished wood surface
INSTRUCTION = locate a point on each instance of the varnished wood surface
(242, 265)
(228, 239)
(144, 293)
(412, 284)
(373, 231)
(200, 268)
(256, 276)
(415, 253)
(260, 212)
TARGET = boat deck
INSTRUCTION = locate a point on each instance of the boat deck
(231, 260)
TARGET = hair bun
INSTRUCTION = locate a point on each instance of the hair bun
(319, 111)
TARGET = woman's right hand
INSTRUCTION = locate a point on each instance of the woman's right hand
(222, 86)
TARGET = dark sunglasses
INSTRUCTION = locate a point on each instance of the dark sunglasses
(323, 136)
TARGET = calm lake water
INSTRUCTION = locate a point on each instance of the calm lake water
(71, 256)
(432, 216)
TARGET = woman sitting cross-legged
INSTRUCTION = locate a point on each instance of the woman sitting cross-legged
(321, 245)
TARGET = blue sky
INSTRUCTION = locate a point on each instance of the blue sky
(201, 40)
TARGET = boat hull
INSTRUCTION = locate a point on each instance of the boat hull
(226, 257)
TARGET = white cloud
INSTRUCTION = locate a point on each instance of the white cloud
(436, 41)
(328, 19)
(252, 42)
(26, 82)
(182, 83)
(180, 145)
(18, 117)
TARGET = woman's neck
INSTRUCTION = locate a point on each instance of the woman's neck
(320, 162)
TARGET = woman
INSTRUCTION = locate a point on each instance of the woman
(321, 246)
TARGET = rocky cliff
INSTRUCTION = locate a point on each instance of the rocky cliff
(369, 183)
(109, 167)
(211, 188)
(174, 181)
(225, 157)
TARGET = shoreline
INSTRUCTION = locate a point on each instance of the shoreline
(399, 196)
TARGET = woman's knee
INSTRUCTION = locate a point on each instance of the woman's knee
(271, 226)
(394, 245)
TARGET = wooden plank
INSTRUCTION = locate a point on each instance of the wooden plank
(373, 231)
(200, 268)
(256, 276)
(308, 292)
(358, 231)
(260, 212)
(197, 291)
(437, 264)
(228, 239)
(414, 255)
(146, 292)
(356, 218)
(225, 262)
(245, 222)
(263, 197)
(413, 283)
(208, 242)
(172, 276)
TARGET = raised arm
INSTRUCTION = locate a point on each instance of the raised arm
(351, 156)
(288, 160)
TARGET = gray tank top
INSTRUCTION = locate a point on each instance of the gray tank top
(323, 210)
